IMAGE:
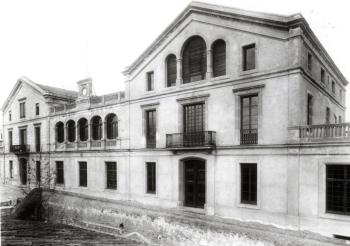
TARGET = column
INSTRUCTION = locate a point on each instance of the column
(65, 136)
(104, 134)
(178, 72)
(76, 135)
(89, 135)
(209, 64)
(210, 186)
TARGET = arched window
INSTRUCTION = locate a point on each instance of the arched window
(171, 70)
(112, 126)
(71, 130)
(83, 129)
(60, 132)
(219, 58)
(96, 129)
(194, 60)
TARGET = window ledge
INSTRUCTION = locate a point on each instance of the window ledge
(194, 83)
(151, 194)
(342, 217)
(248, 72)
(248, 206)
(150, 92)
(222, 77)
(108, 190)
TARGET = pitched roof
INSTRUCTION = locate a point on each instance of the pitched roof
(58, 92)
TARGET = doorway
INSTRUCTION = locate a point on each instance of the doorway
(194, 183)
(23, 171)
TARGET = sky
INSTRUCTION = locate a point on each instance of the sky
(58, 42)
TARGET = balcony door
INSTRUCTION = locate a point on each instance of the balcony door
(193, 121)
(194, 174)
(23, 136)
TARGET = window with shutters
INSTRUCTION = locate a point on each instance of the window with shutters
(83, 129)
(309, 109)
(151, 177)
(23, 136)
(151, 128)
(219, 58)
(249, 119)
(309, 61)
(171, 71)
(96, 129)
(249, 183)
(59, 172)
(323, 76)
(38, 171)
(60, 132)
(82, 174)
(71, 130)
(194, 60)
(22, 110)
(111, 175)
(112, 126)
(338, 189)
(249, 57)
(150, 81)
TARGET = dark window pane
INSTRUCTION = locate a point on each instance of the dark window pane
(219, 58)
(96, 128)
(171, 70)
(38, 172)
(249, 57)
(71, 130)
(83, 174)
(60, 132)
(59, 172)
(111, 174)
(151, 177)
(249, 119)
(249, 183)
(83, 129)
(151, 128)
(112, 126)
(150, 81)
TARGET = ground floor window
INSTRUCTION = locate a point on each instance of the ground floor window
(338, 189)
(249, 183)
(23, 171)
(11, 169)
(38, 171)
(151, 177)
(83, 174)
(59, 172)
(111, 175)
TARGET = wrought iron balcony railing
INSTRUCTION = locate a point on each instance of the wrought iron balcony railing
(191, 139)
(249, 136)
(20, 149)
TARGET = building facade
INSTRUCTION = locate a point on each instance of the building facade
(229, 113)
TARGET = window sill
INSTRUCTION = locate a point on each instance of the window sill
(248, 206)
(150, 92)
(194, 83)
(222, 77)
(248, 72)
(109, 190)
(151, 195)
(335, 216)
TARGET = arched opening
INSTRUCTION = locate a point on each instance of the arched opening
(60, 132)
(96, 128)
(219, 58)
(194, 60)
(111, 126)
(23, 171)
(71, 131)
(83, 128)
(193, 182)
(171, 70)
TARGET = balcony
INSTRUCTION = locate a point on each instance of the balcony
(20, 149)
(192, 140)
(249, 136)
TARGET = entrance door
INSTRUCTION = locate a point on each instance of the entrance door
(23, 171)
(194, 171)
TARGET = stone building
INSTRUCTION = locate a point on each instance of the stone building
(231, 113)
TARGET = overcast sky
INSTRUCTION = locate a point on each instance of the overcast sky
(60, 42)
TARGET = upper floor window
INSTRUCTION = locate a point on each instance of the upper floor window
(71, 131)
(60, 132)
(96, 123)
(194, 60)
(309, 109)
(309, 61)
(328, 115)
(112, 126)
(83, 129)
(323, 76)
(38, 171)
(171, 71)
(10, 115)
(151, 128)
(333, 86)
(249, 119)
(150, 81)
(37, 133)
(249, 57)
(22, 110)
(339, 119)
(219, 58)
(340, 95)
(10, 138)
(37, 109)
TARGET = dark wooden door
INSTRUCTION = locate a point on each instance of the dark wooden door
(23, 171)
(194, 183)
(194, 124)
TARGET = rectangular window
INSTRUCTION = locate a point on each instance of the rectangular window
(10, 115)
(339, 119)
(340, 96)
(111, 175)
(328, 115)
(150, 81)
(333, 86)
(338, 189)
(193, 125)
(309, 61)
(23, 136)
(11, 169)
(37, 139)
(309, 109)
(335, 118)
(37, 109)
(323, 76)
(22, 110)
(83, 174)
(249, 119)
(59, 172)
(249, 57)
(249, 183)
(10, 138)
(151, 177)
(151, 128)
(38, 171)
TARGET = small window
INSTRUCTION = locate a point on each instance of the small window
(37, 139)
(337, 189)
(333, 86)
(59, 172)
(249, 57)
(37, 109)
(323, 75)
(10, 115)
(151, 177)
(60, 132)
(328, 115)
(309, 61)
(309, 109)
(111, 175)
(150, 81)
(22, 110)
(11, 169)
(82, 174)
(249, 183)
(339, 119)
(171, 70)
(38, 172)
(335, 119)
